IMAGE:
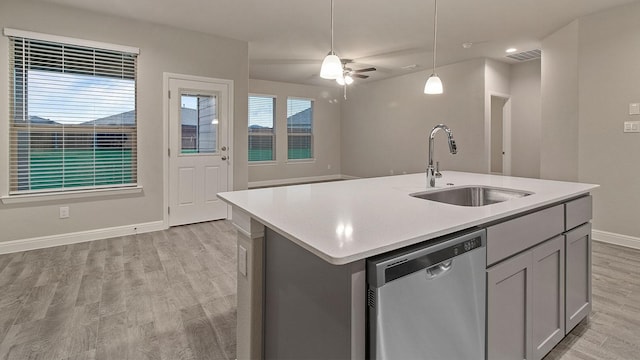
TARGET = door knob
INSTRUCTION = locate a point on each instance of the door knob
(224, 148)
(224, 157)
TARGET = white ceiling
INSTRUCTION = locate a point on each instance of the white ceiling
(288, 38)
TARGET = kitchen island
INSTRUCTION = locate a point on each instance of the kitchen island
(302, 250)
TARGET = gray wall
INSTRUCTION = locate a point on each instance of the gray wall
(385, 124)
(609, 79)
(162, 49)
(525, 119)
(326, 132)
(559, 104)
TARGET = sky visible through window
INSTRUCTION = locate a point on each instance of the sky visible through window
(261, 111)
(75, 99)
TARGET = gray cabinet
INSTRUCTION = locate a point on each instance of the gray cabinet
(509, 295)
(525, 303)
(538, 280)
(578, 275)
(548, 322)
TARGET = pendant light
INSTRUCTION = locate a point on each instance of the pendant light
(434, 84)
(331, 65)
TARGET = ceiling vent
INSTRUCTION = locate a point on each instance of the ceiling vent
(526, 55)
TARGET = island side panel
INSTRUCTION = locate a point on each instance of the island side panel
(250, 286)
(308, 304)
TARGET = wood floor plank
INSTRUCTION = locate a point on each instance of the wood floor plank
(90, 290)
(148, 253)
(113, 295)
(83, 334)
(134, 273)
(138, 305)
(112, 343)
(130, 249)
(52, 339)
(223, 316)
(17, 336)
(143, 342)
(36, 306)
(200, 334)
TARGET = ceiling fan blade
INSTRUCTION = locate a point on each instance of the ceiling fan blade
(364, 70)
(360, 76)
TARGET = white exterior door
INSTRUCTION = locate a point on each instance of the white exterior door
(198, 150)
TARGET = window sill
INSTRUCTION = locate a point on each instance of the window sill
(301, 161)
(261, 163)
(81, 194)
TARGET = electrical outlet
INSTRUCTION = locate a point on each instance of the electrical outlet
(242, 260)
(64, 212)
(632, 126)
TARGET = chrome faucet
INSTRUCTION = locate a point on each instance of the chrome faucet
(432, 173)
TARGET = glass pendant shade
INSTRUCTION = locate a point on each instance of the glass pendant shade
(433, 85)
(331, 67)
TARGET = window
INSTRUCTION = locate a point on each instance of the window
(261, 128)
(72, 116)
(300, 128)
(199, 124)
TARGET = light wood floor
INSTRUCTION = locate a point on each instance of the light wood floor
(164, 295)
(172, 295)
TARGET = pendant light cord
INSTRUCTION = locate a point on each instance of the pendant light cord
(435, 31)
(332, 27)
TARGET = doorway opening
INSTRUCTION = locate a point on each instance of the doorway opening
(500, 152)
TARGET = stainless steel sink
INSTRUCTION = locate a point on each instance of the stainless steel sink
(471, 195)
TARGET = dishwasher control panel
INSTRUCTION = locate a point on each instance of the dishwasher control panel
(389, 267)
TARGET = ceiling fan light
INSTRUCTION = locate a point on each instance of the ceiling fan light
(331, 67)
(433, 85)
(341, 80)
(348, 80)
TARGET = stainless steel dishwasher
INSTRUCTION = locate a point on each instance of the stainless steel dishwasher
(428, 301)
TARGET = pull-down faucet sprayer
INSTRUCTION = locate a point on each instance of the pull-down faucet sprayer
(431, 175)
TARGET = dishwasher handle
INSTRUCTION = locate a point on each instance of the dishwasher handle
(438, 270)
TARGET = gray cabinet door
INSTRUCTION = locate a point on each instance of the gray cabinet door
(509, 295)
(578, 287)
(548, 296)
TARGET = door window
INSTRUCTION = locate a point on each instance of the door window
(199, 124)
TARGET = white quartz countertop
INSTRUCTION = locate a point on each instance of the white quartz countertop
(346, 221)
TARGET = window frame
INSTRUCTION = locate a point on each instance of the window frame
(8, 195)
(273, 134)
(312, 158)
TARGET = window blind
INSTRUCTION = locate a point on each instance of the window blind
(300, 128)
(72, 117)
(261, 128)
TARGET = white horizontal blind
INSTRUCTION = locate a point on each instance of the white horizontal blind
(300, 128)
(72, 117)
(261, 128)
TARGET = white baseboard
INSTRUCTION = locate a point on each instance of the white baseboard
(78, 237)
(349, 177)
(290, 181)
(616, 239)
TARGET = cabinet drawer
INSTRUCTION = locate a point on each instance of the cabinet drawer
(513, 236)
(577, 212)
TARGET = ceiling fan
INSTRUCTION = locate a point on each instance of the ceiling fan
(348, 73)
